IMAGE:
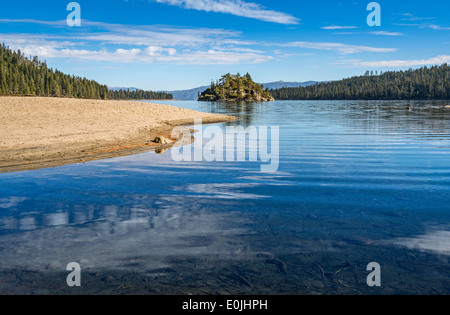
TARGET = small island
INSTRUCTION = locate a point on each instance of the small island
(236, 88)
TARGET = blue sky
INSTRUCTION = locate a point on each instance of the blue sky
(181, 44)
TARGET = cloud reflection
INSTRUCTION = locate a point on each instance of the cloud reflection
(222, 191)
(11, 202)
(147, 233)
(436, 241)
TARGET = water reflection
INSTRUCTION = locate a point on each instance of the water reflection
(11, 202)
(436, 240)
(358, 182)
(417, 117)
(151, 230)
(247, 113)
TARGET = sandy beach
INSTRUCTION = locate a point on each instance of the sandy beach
(39, 132)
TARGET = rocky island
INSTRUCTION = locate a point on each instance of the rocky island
(236, 88)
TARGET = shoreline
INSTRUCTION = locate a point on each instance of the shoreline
(46, 132)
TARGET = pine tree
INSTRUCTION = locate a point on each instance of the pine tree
(29, 76)
(423, 83)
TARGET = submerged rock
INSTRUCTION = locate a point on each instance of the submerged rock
(162, 140)
(160, 151)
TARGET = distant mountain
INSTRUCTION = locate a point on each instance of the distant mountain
(193, 94)
(189, 95)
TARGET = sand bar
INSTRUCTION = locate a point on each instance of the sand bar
(39, 132)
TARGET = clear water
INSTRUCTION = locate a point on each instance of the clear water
(358, 182)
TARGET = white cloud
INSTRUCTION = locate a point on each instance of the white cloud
(235, 7)
(404, 63)
(385, 33)
(157, 44)
(381, 33)
(337, 27)
(135, 35)
(341, 48)
(49, 23)
(137, 43)
(150, 54)
(436, 27)
(410, 17)
(424, 25)
(163, 36)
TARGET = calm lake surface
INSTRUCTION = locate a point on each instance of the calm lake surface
(358, 182)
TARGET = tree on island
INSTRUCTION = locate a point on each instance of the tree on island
(236, 88)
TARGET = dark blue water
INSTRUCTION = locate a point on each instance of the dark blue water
(358, 182)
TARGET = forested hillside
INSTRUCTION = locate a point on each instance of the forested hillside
(423, 83)
(20, 75)
(139, 95)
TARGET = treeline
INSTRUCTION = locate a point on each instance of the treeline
(20, 75)
(138, 95)
(420, 84)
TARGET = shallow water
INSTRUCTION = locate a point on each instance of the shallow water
(358, 182)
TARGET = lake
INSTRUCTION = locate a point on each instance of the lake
(357, 182)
